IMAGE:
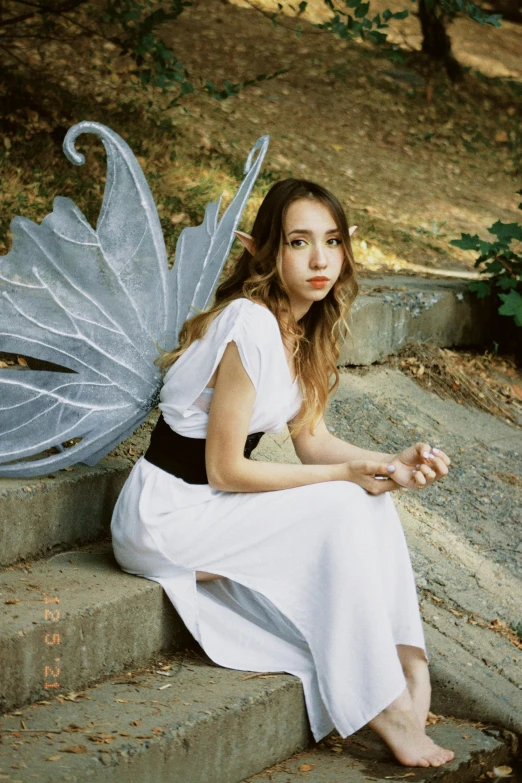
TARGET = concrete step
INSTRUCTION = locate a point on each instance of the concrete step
(203, 724)
(81, 608)
(39, 516)
(198, 723)
(99, 620)
(479, 750)
(393, 311)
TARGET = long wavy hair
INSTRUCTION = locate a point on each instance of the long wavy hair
(258, 277)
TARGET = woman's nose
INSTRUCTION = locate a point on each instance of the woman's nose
(318, 259)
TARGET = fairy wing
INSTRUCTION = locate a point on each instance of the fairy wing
(202, 251)
(98, 303)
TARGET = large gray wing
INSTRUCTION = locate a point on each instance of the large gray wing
(201, 252)
(97, 302)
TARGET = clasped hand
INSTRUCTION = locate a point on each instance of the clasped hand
(414, 468)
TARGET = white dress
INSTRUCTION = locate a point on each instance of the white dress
(318, 579)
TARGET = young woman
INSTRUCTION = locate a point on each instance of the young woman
(284, 567)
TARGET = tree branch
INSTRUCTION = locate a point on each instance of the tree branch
(287, 27)
(69, 5)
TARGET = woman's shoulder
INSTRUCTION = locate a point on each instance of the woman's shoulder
(250, 313)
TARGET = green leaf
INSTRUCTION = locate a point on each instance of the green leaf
(376, 37)
(506, 283)
(481, 288)
(362, 10)
(512, 306)
(506, 232)
(466, 242)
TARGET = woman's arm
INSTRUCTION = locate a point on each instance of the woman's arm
(323, 448)
(415, 466)
(228, 423)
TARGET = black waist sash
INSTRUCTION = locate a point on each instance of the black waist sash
(184, 457)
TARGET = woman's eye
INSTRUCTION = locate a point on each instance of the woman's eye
(295, 243)
(335, 240)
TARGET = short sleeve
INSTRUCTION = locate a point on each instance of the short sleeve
(249, 325)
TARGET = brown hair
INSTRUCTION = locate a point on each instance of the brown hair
(258, 277)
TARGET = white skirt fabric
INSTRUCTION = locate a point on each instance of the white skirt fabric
(317, 582)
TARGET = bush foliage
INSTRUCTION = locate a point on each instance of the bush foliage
(500, 264)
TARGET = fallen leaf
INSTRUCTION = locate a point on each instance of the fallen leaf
(307, 767)
(22, 361)
(72, 696)
(260, 676)
(432, 718)
(101, 739)
(76, 749)
(517, 391)
(501, 137)
(336, 147)
(53, 758)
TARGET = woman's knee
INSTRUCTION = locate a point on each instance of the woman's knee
(205, 576)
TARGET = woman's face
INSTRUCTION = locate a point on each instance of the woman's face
(313, 254)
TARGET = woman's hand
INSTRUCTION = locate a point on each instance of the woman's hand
(363, 472)
(419, 465)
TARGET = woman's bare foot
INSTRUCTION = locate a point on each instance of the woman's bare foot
(399, 726)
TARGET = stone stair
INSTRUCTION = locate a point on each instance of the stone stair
(101, 681)
(481, 753)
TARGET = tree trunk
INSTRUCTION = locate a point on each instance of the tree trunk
(436, 42)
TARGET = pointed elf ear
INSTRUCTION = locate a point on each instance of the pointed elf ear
(247, 241)
(351, 230)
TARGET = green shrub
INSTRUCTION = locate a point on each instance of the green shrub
(500, 264)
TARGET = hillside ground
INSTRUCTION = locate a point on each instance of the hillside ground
(414, 158)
